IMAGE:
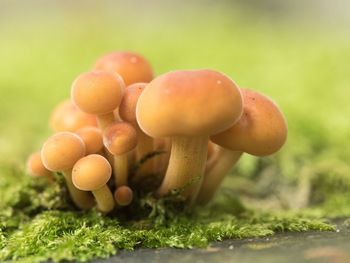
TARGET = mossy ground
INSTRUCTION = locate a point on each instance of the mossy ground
(303, 67)
(40, 220)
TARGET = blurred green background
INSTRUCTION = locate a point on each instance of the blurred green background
(296, 52)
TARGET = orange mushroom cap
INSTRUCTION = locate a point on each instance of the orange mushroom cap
(262, 129)
(61, 151)
(120, 138)
(189, 103)
(130, 66)
(91, 172)
(123, 195)
(97, 92)
(92, 138)
(67, 117)
(127, 107)
(35, 165)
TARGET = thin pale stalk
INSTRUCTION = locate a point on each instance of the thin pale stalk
(145, 146)
(81, 199)
(105, 120)
(104, 199)
(215, 173)
(187, 161)
(120, 169)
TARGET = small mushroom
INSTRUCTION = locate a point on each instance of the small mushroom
(261, 131)
(120, 138)
(67, 117)
(59, 154)
(132, 67)
(188, 106)
(99, 93)
(123, 195)
(92, 138)
(127, 112)
(92, 173)
(36, 167)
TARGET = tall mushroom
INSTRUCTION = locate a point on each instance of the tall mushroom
(261, 131)
(120, 138)
(99, 93)
(132, 67)
(127, 112)
(67, 117)
(59, 154)
(92, 173)
(188, 106)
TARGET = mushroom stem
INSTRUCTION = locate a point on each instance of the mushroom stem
(104, 199)
(187, 161)
(162, 145)
(81, 199)
(215, 173)
(105, 119)
(120, 169)
(145, 145)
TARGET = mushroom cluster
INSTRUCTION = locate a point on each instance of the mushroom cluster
(123, 130)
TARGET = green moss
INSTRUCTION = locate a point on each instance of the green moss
(41, 219)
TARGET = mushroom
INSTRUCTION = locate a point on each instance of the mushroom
(99, 93)
(36, 167)
(123, 195)
(132, 67)
(127, 112)
(261, 131)
(59, 154)
(120, 138)
(92, 138)
(92, 173)
(67, 117)
(188, 106)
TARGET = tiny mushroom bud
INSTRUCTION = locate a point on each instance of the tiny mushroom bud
(99, 93)
(67, 117)
(36, 167)
(127, 112)
(261, 131)
(188, 106)
(120, 138)
(59, 154)
(92, 173)
(92, 137)
(123, 195)
(130, 66)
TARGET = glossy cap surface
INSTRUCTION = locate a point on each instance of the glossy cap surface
(189, 103)
(132, 67)
(97, 92)
(35, 165)
(262, 129)
(67, 117)
(61, 151)
(92, 138)
(91, 172)
(127, 107)
(120, 138)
